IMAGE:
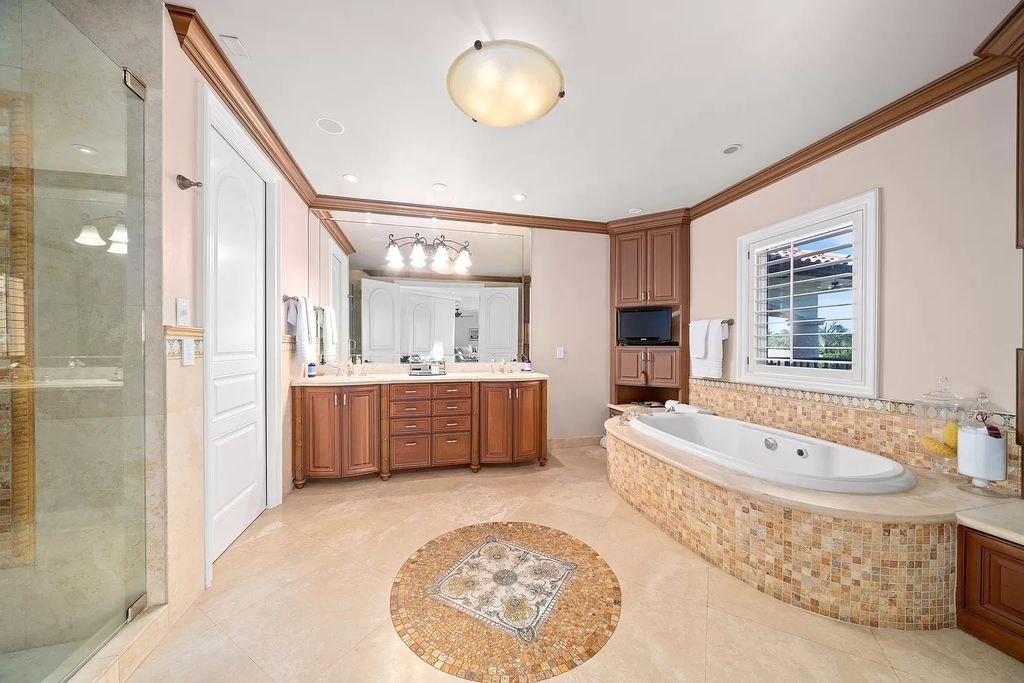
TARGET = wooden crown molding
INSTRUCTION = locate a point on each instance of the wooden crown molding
(1007, 39)
(952, 85)
(336, 232)
(176, 331)
(653, 220)
(450, 213)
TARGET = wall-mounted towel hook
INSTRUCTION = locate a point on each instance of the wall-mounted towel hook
(185, 184)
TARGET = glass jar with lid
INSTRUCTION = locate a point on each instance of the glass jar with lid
(938, 415)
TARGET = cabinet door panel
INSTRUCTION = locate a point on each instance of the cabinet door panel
(663, 367)
(322, 447)
(663, 266)
(527, 398)
(360, 427)
(496, 422)
(629, 366)
(630, 267)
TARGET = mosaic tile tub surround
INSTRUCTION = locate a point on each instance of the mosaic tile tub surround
(881, 426)
(881, 574)
(505, 602)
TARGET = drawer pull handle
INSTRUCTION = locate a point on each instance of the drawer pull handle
(451, 424)
(410, 426)
(450, 391)
(408, 409)
(452, 441)
(410, 391)
(410, 443)
(451, 407)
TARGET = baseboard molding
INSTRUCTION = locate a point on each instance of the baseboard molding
(574, 442)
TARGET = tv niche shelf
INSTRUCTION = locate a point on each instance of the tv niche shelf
(650, 269)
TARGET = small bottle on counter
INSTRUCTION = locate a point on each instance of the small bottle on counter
(311, 370)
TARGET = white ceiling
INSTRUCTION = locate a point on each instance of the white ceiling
(496, 250)
(654, 89)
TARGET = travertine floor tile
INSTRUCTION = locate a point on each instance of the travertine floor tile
(948, 655)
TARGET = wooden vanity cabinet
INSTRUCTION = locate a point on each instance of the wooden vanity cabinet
(990, 590)
(513, 421)
(648, 366)
(336, 432)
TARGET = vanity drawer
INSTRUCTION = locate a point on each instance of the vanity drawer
(455, 423)
(410, 451)
(410, 408)
(419, 425)
(403, 391)
(455, 406)
(460, 390)
(451, 449)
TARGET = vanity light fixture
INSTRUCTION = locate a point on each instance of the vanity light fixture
(440, 252)
(349, 178)
(502, 83)
(89, 235)
(120, 233)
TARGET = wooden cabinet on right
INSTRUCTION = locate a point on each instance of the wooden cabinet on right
(990, 590)
(513, 421)
(646, 267)
(643, 366)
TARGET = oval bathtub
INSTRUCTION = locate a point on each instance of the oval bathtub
(775, 455)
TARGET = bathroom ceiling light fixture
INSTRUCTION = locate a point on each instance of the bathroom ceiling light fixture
(330, 126)
(519, 197)
(440, 251)
(89, 234)
(439, 187)
(502, 83)
(349, 178)
(732, 149)
(84, 149)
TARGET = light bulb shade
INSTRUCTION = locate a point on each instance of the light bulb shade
(90, 236)
(463, 261)
(440, 257)
(120, 234)
(418, 255)
(505, 83)
(418, 262)
(118, 248)
(393, 254)
(396, 264)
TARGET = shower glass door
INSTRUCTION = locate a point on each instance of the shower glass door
(72, 508)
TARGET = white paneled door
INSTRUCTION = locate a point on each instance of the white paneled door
(499, 323)
(381, 321)
(235, 355)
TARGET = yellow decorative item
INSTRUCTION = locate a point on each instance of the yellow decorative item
(949, 431)
(936, 447)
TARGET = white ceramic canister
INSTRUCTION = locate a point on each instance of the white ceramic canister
(980, 455)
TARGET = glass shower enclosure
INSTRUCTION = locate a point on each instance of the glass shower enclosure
(72, 491)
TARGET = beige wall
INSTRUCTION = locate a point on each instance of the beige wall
(950, 288)
(569, 306)
(180, 279)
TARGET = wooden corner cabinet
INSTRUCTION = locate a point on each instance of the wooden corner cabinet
(347, 431)
(650, 267)
(990, 590)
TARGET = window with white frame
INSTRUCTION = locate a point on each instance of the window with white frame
(808, 300)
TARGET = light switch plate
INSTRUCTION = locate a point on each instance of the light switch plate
(182, 313)
(559, 352)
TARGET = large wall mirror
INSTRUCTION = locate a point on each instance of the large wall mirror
(411, 296)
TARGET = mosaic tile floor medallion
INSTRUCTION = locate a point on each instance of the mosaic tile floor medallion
(505, 602)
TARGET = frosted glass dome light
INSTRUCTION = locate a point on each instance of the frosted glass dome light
(504, 83)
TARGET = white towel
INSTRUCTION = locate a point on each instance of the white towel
(699, 338)
(329, 335)
(710, 363)
(302, 317)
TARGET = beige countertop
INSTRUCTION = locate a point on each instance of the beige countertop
(935, 498)
(1004, 519)
(395, 378)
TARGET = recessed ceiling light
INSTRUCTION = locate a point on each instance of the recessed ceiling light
(349, 178)
(731, 149)
(330, 126)
(439, 187)
(84, 149)
(635, 210)
(519, 197)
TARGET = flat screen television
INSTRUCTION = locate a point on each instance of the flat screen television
(647, 326)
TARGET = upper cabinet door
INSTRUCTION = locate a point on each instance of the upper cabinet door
(360, 430)
(630, 268)
(528, 420)
(496, 422)
(663, 266)
(663, 367)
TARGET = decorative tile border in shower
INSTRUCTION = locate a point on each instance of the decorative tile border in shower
(881, 426)
(898, 575)
(174, 335)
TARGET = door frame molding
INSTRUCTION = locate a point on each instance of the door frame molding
(214, 115)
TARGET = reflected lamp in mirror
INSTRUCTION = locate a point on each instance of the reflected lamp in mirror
(89, 234)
